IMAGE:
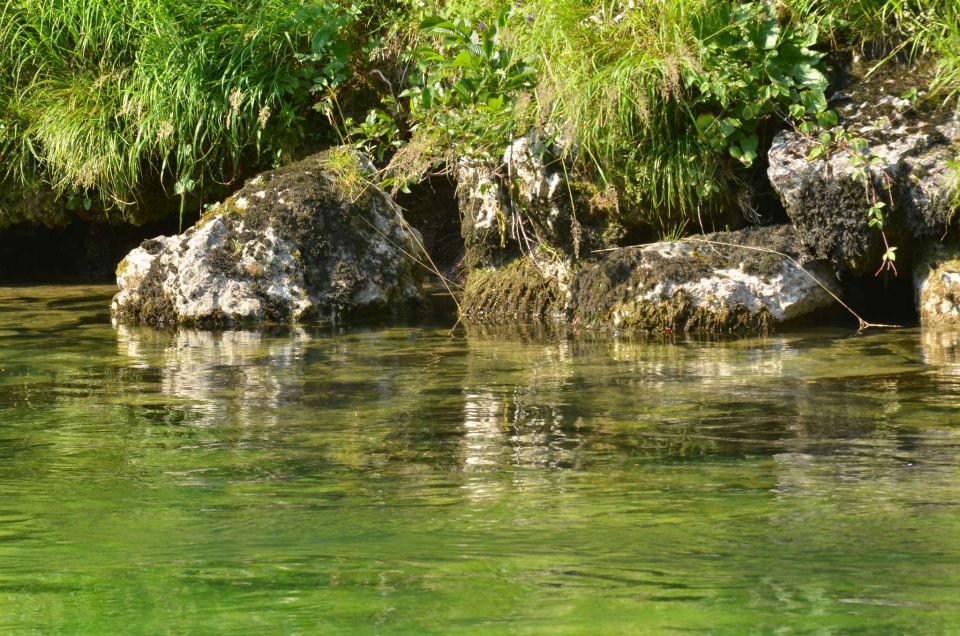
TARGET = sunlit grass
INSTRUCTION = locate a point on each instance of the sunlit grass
(97, 96)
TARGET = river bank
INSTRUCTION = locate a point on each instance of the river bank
(514, 160)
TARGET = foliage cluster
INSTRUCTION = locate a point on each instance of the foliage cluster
(98, 97)
(668, 103)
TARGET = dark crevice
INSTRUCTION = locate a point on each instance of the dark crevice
(83, 252)
(431, 207)
(883, 299)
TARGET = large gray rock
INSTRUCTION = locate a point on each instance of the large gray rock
(828, 204)
(700, 286)
(727, 282)
(310, 241)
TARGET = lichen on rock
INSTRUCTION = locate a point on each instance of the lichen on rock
(313, 240)
(826, 198)
(703, 286)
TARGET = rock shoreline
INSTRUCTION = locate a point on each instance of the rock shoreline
(318, 241)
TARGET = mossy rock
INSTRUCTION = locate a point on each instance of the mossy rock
(522, 290)
(314, 240)
(723, 283)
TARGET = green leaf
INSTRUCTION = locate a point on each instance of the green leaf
(427, 54)
(809, 38)
(814, 100)
(704, 122)
(495, 103)
(728, 125)
(828, 119)
(464, 60)
(436, 23)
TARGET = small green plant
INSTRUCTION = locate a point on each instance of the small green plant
(466, 84)
(751, 70)
(827, 137)
(864, 165)
(377, 135)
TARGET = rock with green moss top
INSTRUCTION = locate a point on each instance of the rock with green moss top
(311, 241)
(700, 286)
(913, 143)
(937, 286)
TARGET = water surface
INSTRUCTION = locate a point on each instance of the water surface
(417, 480)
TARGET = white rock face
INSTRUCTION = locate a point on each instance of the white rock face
(510, 207)
(937, 287)
(289, 246)
(702, 287)
(197, 286)
(786, 294)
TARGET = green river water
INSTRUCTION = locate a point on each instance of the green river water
(414, 480)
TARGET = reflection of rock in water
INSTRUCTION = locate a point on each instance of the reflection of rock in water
(738, 361)
(941, 347)
(514, 411)
(237, 375)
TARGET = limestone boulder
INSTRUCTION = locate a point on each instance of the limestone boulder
(909, 145)
(311, 241)
(728, 282)
(937, 286)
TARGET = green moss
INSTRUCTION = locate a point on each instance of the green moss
(680, 314)
(517, 291)
(609, 293)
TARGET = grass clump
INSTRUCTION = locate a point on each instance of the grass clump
(665, 102)
(99, 97)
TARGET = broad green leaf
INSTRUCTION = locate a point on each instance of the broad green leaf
(464, 60)
(704, 122)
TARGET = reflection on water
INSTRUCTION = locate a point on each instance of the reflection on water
(234, 374)
(410, 479)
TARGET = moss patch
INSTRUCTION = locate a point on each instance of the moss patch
(680, 313)
(517, 291)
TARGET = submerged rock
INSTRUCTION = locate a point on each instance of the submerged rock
(937, 286)
(827, 200)
(701, 286)
(314, 240)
